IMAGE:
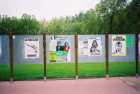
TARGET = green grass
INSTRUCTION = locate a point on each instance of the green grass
(28, 71)
(91, 69)
(4, 72)
(35, 71)
(61, 70)
(122, 69)
(115, 69)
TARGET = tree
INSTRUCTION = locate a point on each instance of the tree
(108, 9)
(27, 24)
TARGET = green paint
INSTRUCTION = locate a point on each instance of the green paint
(61, 53)
(130, 40)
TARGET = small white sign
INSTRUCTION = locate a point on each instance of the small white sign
(83, 47)
(52, 46)
(31, 48)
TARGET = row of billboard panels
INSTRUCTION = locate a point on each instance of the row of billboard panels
(90, 47)
(94, 46)
(60, 47)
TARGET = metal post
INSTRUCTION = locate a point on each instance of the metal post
(137, 52)
(11, 56)
(106, 55)
(76, 56)
(44, 52)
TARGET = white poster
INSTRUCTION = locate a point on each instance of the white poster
(95, 46)
(119, 45)
(83, 47)
(91, 46)
(31, 48)
(53, 44)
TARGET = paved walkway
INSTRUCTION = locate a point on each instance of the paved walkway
(126, 85)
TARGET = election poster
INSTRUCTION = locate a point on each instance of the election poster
(31, 48)
(53, 44)
(119, 45)
(60, 49)
(91, 46)
(95, 46)
(83, 47)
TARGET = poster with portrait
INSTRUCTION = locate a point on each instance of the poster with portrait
(95, 46)
(119, 45)
(59, 49)
(31, 48)
(83, 47)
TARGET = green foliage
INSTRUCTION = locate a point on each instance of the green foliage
(120, 16)
(25, 25)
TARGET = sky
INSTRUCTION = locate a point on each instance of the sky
(45, 9)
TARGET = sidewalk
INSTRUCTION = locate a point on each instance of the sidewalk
(126, 85)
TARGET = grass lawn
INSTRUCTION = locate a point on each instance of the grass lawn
(35, 71)
(91, 69)
(122, 69)
(61, 70)
(4, 72)
(28, 71)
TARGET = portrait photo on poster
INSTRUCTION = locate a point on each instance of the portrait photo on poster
(59, 49)
(95, 46)
(31, 48)
(119, 47)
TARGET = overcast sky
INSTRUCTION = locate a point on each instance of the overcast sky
(45, 8)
